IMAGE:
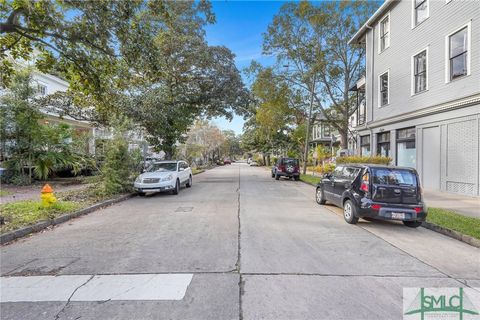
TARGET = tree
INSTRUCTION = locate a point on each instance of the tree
(191, 80)
(87, 40)
(312, 40)
(27, 142)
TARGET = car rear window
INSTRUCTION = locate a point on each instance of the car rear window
(293, 162)
(387, 176)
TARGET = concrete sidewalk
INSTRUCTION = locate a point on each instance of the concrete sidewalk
(465, 205)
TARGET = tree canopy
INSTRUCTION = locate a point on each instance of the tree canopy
(310, 42)
(147, 59)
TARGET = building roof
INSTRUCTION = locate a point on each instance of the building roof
(368, 25)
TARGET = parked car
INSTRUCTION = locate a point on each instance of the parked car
(164, 176)
(227, 161)
(253, 163)
(286, 167)
(374, 191)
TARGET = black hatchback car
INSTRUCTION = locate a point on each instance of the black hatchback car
(286, 167)
(374, 191)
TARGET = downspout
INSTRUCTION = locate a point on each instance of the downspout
(372, 90)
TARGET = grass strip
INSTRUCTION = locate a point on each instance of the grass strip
(308, 178)
(454, 221)
(27, 212)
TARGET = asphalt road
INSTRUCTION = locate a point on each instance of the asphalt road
(243, 245)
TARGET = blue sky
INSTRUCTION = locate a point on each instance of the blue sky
(239, 27)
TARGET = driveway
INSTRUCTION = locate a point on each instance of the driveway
(237, 245)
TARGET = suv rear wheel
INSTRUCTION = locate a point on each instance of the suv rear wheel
(319, 196)
(349, 212)
(412, 224)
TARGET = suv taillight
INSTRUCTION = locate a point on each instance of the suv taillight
(364, 186)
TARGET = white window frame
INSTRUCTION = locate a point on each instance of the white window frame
(414, 14)
(380, 88)
(468, 25)
(380, 33)
(412, 68)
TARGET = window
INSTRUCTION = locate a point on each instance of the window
(384, 96)
(458, 53)
(41, 89)
(420, 72)
(361, 109)
(385, 33)
(338, 172)
(420, 8)
(406, 152)
(365, 145)
(350, 173)
(383, 144)
(326, 130)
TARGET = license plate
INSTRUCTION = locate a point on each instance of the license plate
(398, 215)
(153, 190)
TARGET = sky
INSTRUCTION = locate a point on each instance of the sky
(239, 27)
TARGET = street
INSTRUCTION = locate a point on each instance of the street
(257, 249)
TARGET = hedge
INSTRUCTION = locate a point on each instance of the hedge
(362, 159)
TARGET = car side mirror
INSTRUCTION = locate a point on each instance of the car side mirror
(328, 176)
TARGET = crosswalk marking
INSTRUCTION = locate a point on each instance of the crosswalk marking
(94, 287)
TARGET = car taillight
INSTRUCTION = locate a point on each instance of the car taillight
(364, 186)
(376, 206)
(418, 209)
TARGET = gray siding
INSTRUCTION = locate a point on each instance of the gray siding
(444, 19)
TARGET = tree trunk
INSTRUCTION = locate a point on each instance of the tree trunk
(268, 160)
(343, 139)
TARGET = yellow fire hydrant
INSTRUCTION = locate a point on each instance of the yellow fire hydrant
(48, 199)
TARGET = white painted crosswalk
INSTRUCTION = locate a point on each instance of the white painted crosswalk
(94, 287)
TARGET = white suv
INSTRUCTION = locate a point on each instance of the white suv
(164, 176)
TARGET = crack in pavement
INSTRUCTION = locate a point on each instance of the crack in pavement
(57, 316)
(241, 282)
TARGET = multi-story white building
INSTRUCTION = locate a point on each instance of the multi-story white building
(48, 84)
(422, 90)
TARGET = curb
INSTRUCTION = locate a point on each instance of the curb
(39, 226)
(452, 234)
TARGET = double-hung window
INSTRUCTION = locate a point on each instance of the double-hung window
(420, 72)
(383, 86)
(383, 144)
(458, 55)
(420, 11)
(365, 145)
(385, 33)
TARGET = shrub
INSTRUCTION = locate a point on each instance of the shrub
(326, 168)
(363, 159)
(118, 169)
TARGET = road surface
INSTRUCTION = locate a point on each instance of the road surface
(237, 245)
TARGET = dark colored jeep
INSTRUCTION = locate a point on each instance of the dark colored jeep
(286, 167)
(374, 191)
